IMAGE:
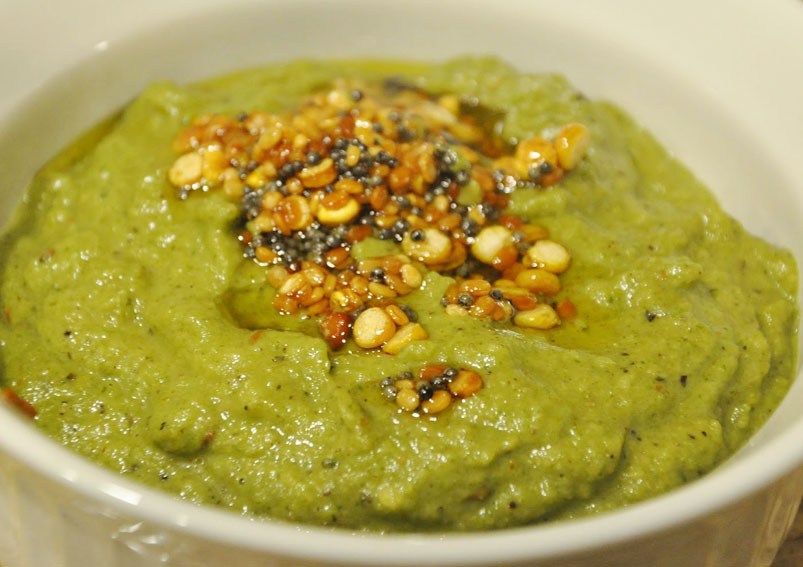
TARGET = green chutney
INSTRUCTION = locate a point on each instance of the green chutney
(113, 329)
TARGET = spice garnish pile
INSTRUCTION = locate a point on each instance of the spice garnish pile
(395, 163)
(432, 390)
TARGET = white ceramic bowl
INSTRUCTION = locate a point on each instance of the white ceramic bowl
(718, 82)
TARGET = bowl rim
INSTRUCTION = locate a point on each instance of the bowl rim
(133, 501)
(749, 475)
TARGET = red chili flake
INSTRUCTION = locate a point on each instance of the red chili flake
(566, 309)
(335, 328)
(14, 399)
(255, 337)
(511, 222)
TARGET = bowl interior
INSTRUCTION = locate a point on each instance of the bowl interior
(694, 124)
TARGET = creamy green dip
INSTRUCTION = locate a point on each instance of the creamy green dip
(114, 330)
